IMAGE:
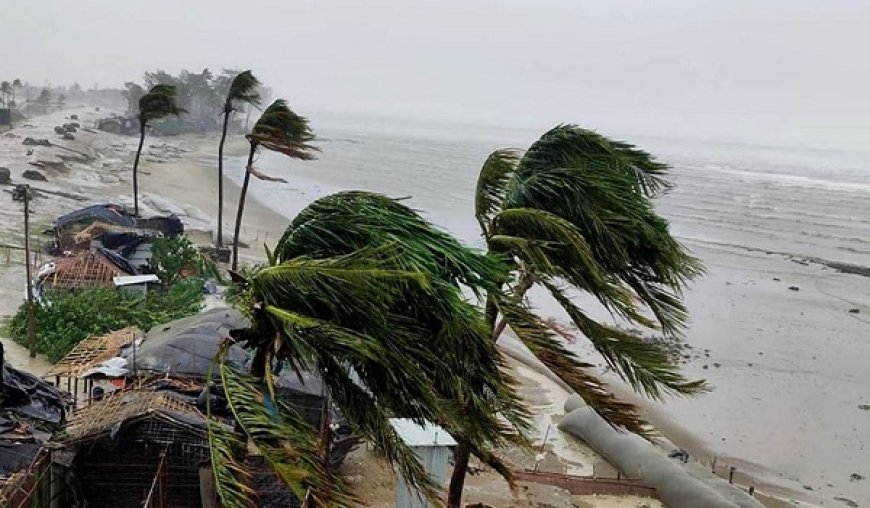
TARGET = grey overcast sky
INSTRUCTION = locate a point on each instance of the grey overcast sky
(778, 71)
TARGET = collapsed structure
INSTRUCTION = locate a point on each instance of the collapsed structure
(31, 410)
(98, 244)
(141, 436)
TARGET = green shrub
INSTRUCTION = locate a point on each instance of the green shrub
(66, 319)
(169, 256)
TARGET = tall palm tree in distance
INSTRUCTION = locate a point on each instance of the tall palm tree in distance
(243, 90)
(573, 214)
(158, 103)
(366, 294)
(281, 130)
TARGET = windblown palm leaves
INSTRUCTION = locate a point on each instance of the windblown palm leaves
(363, 292)
(281, 130)
(574, 215)
(286, 441)
(243, 90)
(158, 103)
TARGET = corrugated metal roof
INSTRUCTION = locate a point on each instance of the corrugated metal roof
(135, 279)
(427, 435)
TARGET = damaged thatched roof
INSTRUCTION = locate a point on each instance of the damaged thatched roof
(94, 268)
(106, 417)
(94, 350)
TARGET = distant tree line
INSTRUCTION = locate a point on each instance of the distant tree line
(201, 94)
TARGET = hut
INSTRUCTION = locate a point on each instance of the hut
(136, 447)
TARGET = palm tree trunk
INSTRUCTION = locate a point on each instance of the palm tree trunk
(241, 210)
(457, 481)
(136, 171)
(220, 213)
(463, 451)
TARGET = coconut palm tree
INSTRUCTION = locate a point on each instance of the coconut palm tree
(573, 214)
(369, 296)
(280, 130)
(243, 90)
(158, 103)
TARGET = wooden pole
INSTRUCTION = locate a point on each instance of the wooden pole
(31, 316)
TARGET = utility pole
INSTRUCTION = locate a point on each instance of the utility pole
(22, 193)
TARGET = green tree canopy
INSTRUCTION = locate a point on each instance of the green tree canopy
(364, 292)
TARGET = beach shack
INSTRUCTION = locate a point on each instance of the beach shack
(432, 445)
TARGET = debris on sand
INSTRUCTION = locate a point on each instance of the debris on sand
(794, 288)
(32, 174)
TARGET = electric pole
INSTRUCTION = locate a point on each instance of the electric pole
(22, 193)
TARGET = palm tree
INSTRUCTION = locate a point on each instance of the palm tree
(281, 130)
(369, 296)
(243, 90)
(5, 89)
(15, 84)
(573, 214)
(158, 103)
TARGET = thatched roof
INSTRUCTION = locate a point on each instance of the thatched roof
(94, 350)
(94, 268)
(106, 416)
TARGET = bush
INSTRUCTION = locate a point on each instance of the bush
(170, 257)
(66, 319)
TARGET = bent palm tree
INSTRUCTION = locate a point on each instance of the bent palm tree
(243, 90)
(281, 130)
(158, 103)
(365, 293)
(573, 214)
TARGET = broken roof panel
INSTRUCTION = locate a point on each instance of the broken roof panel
(94, 350)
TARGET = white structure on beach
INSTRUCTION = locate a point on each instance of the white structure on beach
(432, 444)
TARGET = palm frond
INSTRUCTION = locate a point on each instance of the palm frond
(233, 478)
(569, 146)
(286, 441)
(551, 247)
(538, 337)
(158, 103)
(345, 222)
(644, 365)
(243, 89)
(491, 183)
(281, 130)
(227, 449)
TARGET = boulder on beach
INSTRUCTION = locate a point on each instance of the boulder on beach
(32, 174)
(69, 136)
(59, 129)
(5, 175)
(74, 117)
(36, 142)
